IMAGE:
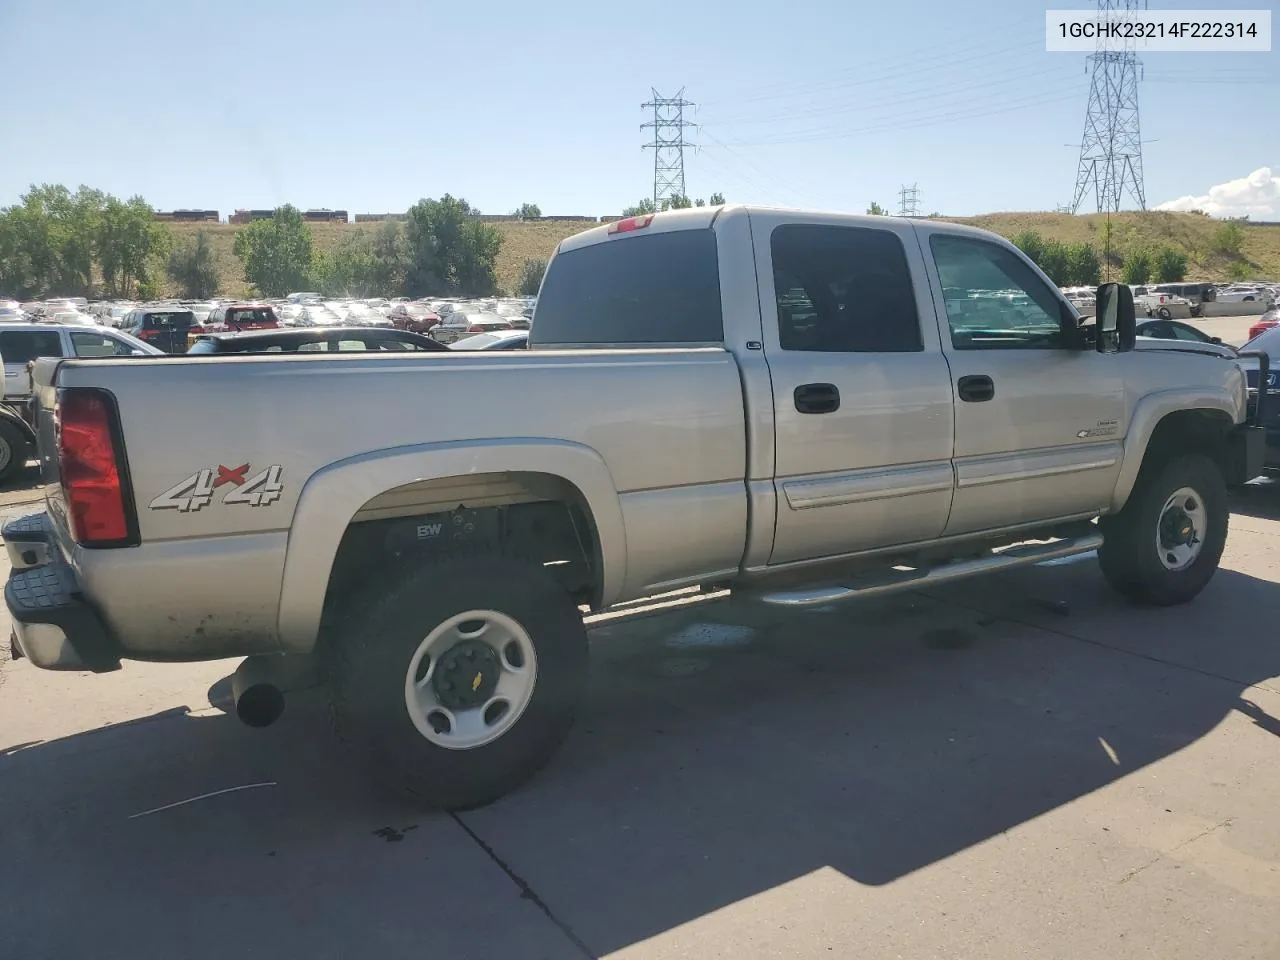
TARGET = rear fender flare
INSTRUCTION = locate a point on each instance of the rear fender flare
(1147, 415)
(333, 495)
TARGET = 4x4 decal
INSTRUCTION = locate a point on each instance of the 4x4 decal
(198, 490)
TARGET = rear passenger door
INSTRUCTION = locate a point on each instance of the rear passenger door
(18, 348)
(861, 391)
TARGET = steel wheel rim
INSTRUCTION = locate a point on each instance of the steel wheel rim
(6, 453)
(1184, 510)
(465, 727)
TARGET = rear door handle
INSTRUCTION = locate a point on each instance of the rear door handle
(976, 389)
(817, 398)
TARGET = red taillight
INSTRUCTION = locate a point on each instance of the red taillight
(148, 334)
(631, 223)
(89, 466)
(475, 328)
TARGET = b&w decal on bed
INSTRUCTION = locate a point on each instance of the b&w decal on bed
(202, 487)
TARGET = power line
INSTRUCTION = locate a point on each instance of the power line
(929, 92)
(668, 145)
(1111, 149)
(926, 119)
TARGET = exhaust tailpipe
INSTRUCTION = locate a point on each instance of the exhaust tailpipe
(259, 701)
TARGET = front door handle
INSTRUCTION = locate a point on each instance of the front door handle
(976, 389)
(817, 398)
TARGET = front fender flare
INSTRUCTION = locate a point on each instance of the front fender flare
(1148, 413)
(333, 495)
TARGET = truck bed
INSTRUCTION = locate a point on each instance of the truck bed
(677, 467)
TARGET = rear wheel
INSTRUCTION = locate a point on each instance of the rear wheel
(459, 682)
(13, 451)
(1164, 546)
(1164, 313)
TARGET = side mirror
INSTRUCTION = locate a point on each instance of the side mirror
(1117, 323)
(1217, 340)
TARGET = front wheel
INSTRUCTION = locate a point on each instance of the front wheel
(459, 681)
(1164, 313)
(1164, 546)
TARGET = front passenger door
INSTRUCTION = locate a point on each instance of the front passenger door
(1039, 421)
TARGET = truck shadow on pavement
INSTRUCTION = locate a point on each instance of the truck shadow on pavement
(724, 750)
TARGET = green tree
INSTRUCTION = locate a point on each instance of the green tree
(1239, 270)
(1138, 264)
(1055, 261)
(677, 202)
(1083, 266)
(193, 270)
(531, 273)
(276, 253)
(528, 211)
(640, 209)
(1171, 265)
(875, 209)
(1030, 243)
(1228, 238)
(131, 247)
(363, 264)
(449, 251)
(716, 200)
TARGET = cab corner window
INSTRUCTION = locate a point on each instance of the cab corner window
(994, 300)
(843, 290)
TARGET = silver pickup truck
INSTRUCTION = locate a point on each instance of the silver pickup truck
(806, 408)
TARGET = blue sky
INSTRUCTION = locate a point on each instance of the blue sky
(371, 105)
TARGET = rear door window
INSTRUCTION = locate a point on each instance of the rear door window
(663, 288)
(843, 290)
(22, 346)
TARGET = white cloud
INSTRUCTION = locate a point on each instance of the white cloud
(1256, 196)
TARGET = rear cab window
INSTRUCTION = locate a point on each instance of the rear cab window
(636, 289)
(250, 315)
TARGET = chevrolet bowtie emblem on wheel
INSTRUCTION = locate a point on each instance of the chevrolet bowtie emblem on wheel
(197, 491)
(476, 681)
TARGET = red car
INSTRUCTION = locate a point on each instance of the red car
(1268, 320)
(414, 317)
(235, 317)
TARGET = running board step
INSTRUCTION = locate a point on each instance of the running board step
(1018, 555)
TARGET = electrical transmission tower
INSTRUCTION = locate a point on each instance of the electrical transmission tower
(1111, 151)
(909, 201)
(668, 145)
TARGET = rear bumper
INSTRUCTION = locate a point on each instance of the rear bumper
(53, 625)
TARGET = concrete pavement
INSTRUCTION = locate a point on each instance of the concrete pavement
(1009, 768)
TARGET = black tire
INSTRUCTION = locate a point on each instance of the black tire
(1130, 556)
(1164, 313)
(14, 451)
(371, 646)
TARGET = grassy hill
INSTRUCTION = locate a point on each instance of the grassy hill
(1189, 233)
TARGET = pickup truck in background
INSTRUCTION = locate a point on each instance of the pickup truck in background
(806, 408)
(20, 345)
